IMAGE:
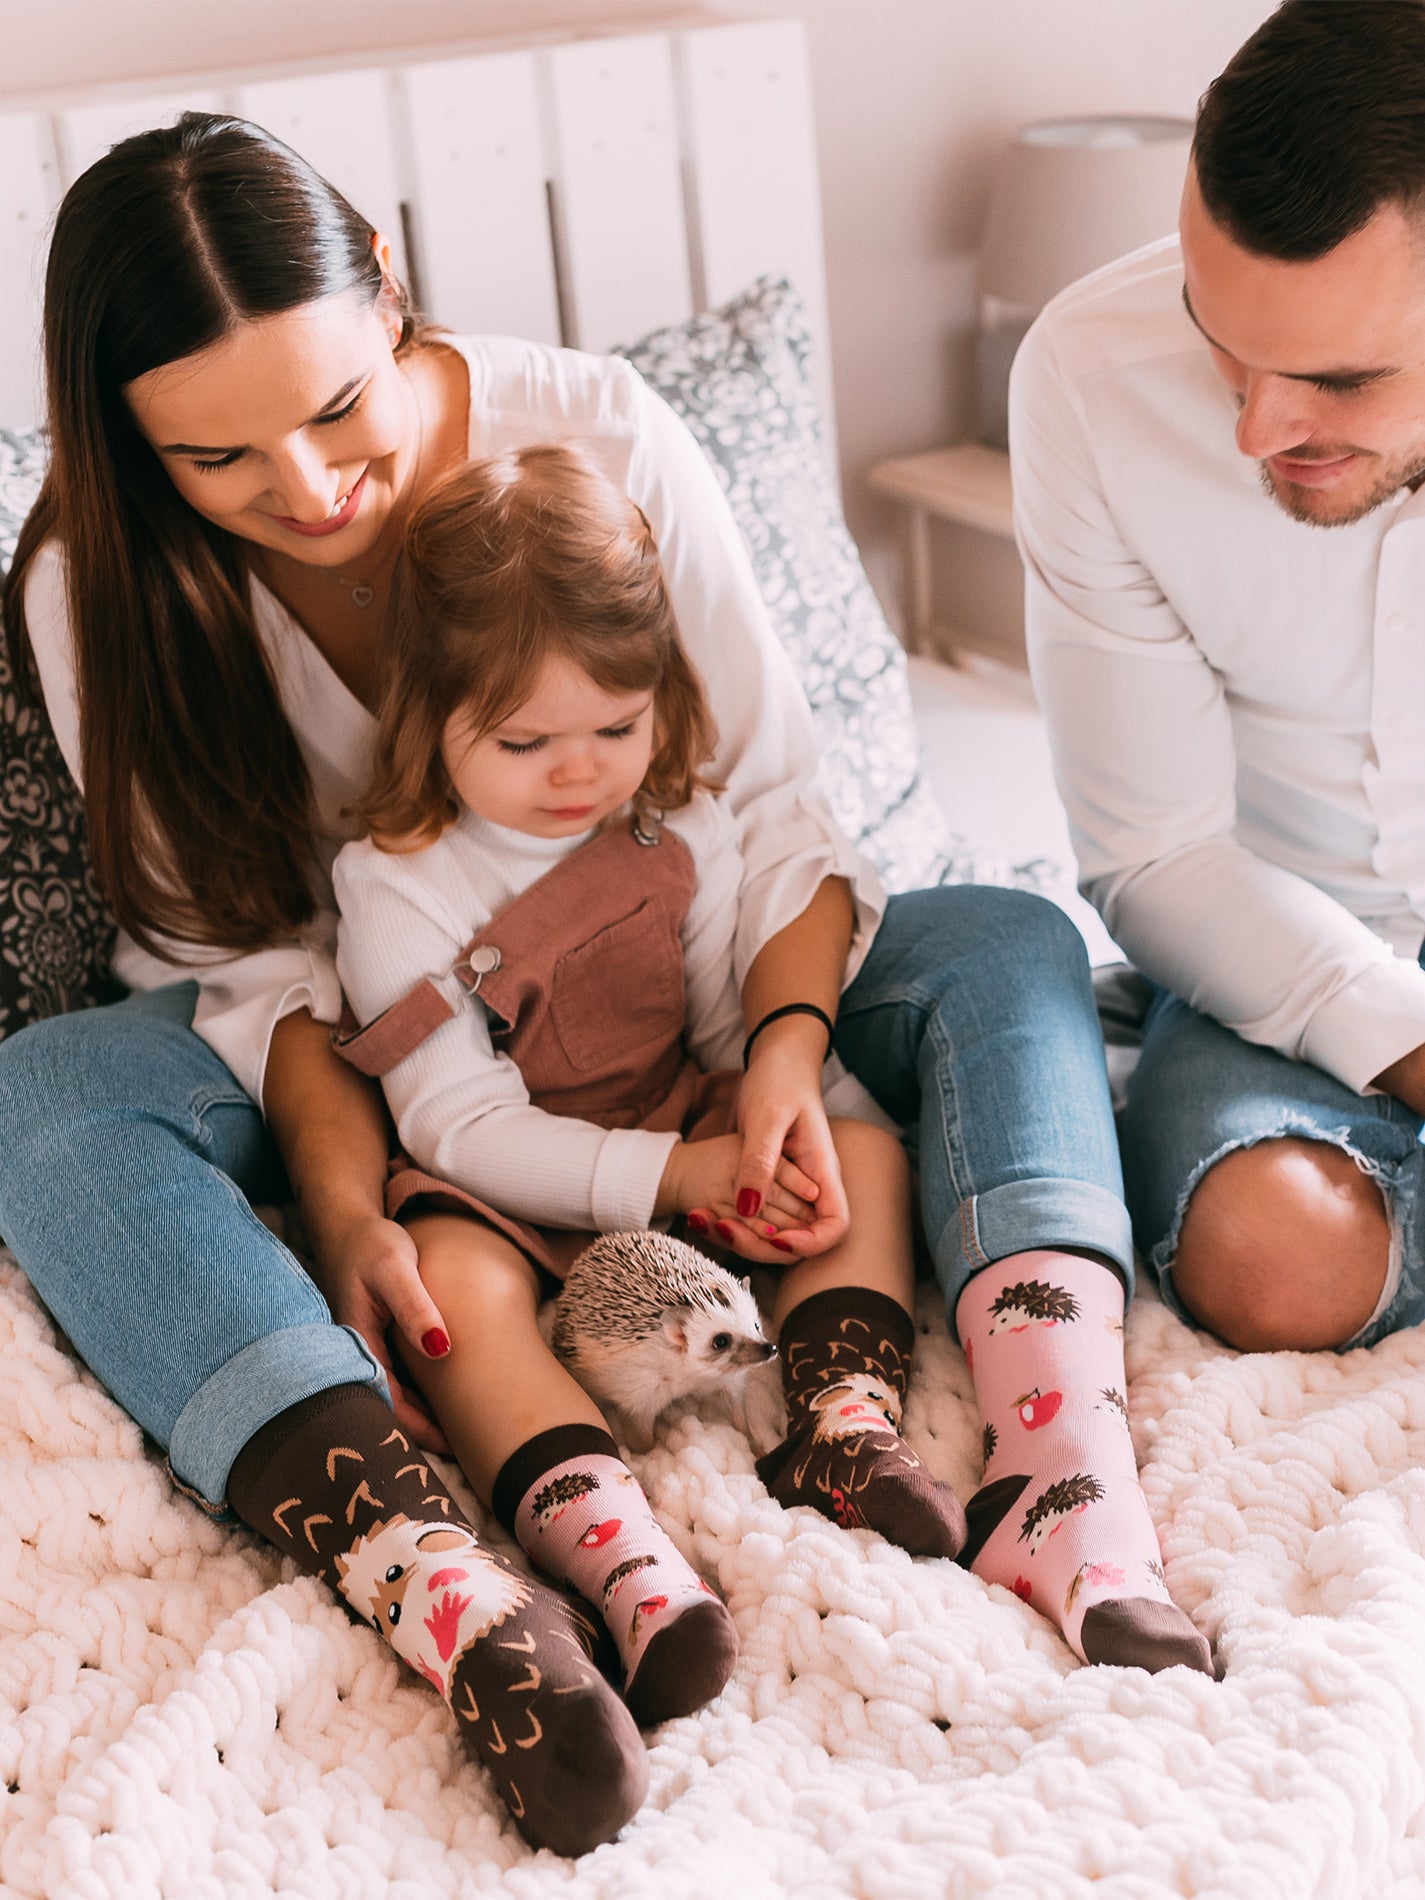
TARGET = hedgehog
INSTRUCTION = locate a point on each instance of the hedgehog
(645, 1320)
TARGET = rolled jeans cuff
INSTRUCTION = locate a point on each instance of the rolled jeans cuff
(1024, 1217)
(276, 1371)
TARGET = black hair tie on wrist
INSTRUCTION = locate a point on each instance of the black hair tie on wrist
(789, 1009)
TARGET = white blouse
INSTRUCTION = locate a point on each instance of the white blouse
(1236, 699)
(523, 393)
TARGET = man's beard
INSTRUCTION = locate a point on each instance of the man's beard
(1315, 507)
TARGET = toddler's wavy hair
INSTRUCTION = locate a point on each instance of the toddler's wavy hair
(530, 555)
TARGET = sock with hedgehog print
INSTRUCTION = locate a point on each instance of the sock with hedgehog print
(845, 1364)
(334, 1484)
(580, 1514)
(1060, 1517)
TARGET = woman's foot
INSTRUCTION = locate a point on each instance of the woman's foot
(845, 1362)
(1060, 1517)
(581, 1514)
(333, 1483)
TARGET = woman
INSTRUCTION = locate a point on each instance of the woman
(242, 411)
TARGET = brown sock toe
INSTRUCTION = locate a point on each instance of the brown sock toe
(564, 1752)
(871, 1481)
(1139, 1633)
(685, 1665)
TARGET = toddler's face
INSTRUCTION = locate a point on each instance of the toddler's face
(561, 762)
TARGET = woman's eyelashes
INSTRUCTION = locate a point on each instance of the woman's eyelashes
(320, 422)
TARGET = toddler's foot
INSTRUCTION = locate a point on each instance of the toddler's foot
(580, 1513)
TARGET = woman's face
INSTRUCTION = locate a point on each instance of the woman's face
(298, 432)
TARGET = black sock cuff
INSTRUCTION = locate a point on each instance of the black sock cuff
(523, 1469)
(819, 1314)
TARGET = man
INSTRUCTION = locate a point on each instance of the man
(1219, 447)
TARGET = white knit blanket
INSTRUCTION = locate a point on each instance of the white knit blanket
(183, 1715)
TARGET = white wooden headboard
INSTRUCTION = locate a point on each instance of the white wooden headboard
(578, 191)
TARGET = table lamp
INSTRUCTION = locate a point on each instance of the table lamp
(1070, 195)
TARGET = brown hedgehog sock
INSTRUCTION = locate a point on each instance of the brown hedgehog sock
(333, 1483)
(1060, 1518)
(580, 1513)
(845, 1362)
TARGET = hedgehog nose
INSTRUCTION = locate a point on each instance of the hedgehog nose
(769, 1351)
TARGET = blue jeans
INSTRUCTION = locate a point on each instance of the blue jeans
(131, 1155)
(972, 1023)
(129, 1161)
(1199, 1092)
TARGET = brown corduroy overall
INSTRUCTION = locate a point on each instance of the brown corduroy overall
(582, 978)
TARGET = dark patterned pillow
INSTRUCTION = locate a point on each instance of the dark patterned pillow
(740, 377)
(55, 933)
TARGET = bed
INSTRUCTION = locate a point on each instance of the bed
(183, 1715)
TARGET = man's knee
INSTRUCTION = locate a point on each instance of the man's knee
(1284, 1246)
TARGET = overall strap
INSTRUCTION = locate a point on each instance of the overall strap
(400, 1030)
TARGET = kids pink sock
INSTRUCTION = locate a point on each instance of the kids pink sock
(1060, 1517)
(580, 1514)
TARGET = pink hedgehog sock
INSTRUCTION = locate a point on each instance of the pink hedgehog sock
(580, 1514)
(1060, 1517)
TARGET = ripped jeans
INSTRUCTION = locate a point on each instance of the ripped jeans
(1199, 1091)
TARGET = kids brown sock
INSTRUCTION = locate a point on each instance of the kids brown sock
(334, 1483)
(845, 1362)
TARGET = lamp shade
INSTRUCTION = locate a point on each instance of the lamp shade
(1072, 194)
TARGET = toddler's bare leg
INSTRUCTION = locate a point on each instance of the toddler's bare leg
(536, 1447)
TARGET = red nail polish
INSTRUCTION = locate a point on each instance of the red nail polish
(697, 1223)
(784, 1246)
(435, 1343)
(748, 1202)
(724, 1232)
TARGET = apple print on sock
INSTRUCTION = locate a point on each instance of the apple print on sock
(1037, 1408)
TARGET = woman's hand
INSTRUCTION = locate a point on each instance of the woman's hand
(370, 1274)
(330, 1124)
(700, 1181)
(780, 1113)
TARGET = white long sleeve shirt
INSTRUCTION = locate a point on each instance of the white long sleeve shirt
(523, 393)
(1236, 700)
(462, 1108)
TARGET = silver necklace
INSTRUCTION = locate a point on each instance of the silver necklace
(364, 592)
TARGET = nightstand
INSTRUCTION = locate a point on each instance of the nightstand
(963, 580)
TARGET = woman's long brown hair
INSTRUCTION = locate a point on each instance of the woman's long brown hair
(197, 798)
(526, 556)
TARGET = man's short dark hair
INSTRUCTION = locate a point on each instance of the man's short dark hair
(1317, 122)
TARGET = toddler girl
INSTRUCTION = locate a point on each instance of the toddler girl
(538, 937)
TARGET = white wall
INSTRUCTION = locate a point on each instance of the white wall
(913, 101)
(913, 98)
